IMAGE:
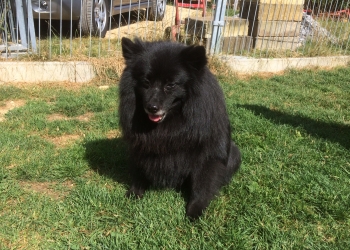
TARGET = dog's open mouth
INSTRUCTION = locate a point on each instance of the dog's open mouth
(156, 118)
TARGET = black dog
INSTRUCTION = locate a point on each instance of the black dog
(173, 116)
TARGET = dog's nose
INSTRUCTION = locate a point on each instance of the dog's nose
(153, 109)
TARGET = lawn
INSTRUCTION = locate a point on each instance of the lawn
(63, 170)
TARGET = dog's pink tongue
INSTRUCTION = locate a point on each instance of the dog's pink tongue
(155, 118)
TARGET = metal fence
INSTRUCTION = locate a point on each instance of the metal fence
(17, 33)
(253, 28)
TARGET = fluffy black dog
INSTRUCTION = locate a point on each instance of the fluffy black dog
(174, 119)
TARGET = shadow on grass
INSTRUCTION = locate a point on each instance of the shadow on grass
(108, 157)
(333, 132)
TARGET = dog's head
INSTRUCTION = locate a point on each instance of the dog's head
(163, 74)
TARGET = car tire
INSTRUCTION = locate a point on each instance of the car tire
(156, 10)
(94, 19)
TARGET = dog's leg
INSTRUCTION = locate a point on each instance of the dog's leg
(203, 187)
(233, 163)
(138, 186)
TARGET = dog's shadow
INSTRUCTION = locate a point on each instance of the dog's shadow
(108, 157)
(333, 132)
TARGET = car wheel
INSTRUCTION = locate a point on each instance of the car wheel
(94, 17)
(156, 11)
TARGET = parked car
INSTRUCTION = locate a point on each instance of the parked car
(94, 15)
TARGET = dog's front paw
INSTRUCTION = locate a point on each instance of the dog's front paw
(195, 209)
(135, 192)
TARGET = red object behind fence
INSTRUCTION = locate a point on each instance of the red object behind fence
(200, 4)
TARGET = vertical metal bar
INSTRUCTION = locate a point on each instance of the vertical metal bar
(254, 19)
(336, 24)
(251, 39)
(119, 21)
(348, 39)
(17, 36)
(100, 29)
(331, 22)
(218, 24)
(295, 34)
(5, 27)
(283, 28)
(138, 15)
(110, 24)
(14, 24)
(71, 29)
(80, 25)
(264, 37)
(340, 38)
(147, 14)
(50, 30)
(129, 18)
(90, 30)
(21, 20)
(39, 34)
(188, 15)
(10, 18)
(224, 28)
(31, 27)
(291, 13)
(245, 31)
(61, 8)
(307, 38)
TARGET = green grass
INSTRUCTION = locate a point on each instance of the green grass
(292, 192)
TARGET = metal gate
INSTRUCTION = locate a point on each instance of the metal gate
(17, 33)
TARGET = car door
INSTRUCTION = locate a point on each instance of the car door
(121, 6)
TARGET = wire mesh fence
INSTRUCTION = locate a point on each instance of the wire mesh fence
(66, 29)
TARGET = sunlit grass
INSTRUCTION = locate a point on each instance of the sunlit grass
(63, 170)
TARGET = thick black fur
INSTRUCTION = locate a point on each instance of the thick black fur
(173, 116)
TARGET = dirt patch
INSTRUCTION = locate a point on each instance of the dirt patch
(263, 75)
(12, 166)
(104, 87)
(116, 133)
(9, 105)
(57, 117)
(64, 85)
(85, 117)
(64, 140)
(54, 190)
(60, 117)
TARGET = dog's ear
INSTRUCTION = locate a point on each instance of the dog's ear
(130, 48)
(194, 56)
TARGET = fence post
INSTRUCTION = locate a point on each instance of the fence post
(218, 24)
(20, 14)
(31, 26)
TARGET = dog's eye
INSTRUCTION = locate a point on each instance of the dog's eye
(170, 86)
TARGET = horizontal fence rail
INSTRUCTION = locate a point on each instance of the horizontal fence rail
(78, 29)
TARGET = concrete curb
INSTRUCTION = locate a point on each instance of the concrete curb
(38, 72)
(266, 65)
(80, 72)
